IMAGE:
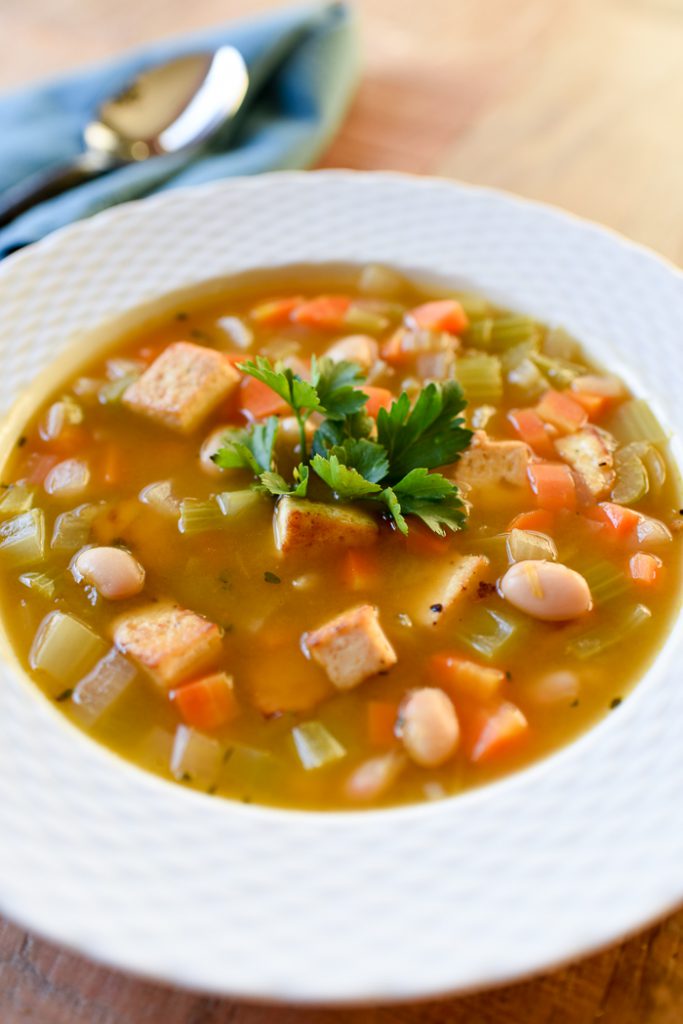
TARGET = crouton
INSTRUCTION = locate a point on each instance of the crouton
(351, 647)
(444, 588)
(171, 644)
(589, 452)
(182, 386)
(489, 462)
(355, 348)
(308, 525)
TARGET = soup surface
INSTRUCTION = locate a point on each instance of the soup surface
(230, 555)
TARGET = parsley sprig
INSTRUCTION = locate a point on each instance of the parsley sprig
(393, 468)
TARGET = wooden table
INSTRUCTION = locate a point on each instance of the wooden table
(577, 102)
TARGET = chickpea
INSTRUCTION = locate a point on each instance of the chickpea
(428, 726)
(546, 590)
(114, 573)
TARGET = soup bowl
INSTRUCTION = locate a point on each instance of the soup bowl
(470, 891)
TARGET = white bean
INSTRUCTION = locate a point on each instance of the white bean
(114, 573)
(555, 687)
(546, 590)
(428, 726)
(374, 777)
(355, 348)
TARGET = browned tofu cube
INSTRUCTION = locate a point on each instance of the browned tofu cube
(589, 453)
(182, 386)
(489, 462)
(351, 647)
(445, 586)
(309, 525)
(171, 644)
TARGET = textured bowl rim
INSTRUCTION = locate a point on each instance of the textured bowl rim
(20, 266)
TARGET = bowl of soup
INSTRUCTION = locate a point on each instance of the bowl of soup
(340, 551)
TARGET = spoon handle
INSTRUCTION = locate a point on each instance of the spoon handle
(49, 183)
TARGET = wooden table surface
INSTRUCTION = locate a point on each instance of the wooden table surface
(576, 102)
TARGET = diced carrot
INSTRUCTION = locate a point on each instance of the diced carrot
(457, 675)
(500, 731)
(621, 519)
(112, 465)
(531, 428)
(558, 408)
(235, 358)
(326, 311)
(37, 467)
(553, 485)
(148, 353)
(360, 568)
(645, 568)
(441, 315)
(595, 405)
(392, 351)
(257, 400)
(276, 312)
(69, 441)
(422, 541)
(206, 703)
(381, 721)
(540, 520)
(378, 398)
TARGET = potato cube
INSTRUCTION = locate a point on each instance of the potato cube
(445, 587)
(182, 386)
(489, 462)
(171, 644)
(309, 525)
(352, 647)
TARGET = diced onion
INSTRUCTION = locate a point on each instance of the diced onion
(588, 645)
(316, 746)
(195, 757)
(234, 503)
(237, 331)
(113, 391)
(22, 538)
(117, 368)
(561, 345)
(159, 496)
(64, 647)
(43, 583)
(367, 320)
(248, 766)
(102, 686)
(524, 544)
(487, 631)
(72, 529)
(652, 533)
(65, 412)
(16, 498)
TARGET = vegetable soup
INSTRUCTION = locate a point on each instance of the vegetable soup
(336, 539)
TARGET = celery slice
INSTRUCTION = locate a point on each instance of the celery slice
(559, 344)
(481, 378)
(376, 279)
(199, 516)
(316, 746)
(588, 645)
(65, 647)
(497, 335)
(526, 378)
(512, 357)
(43, 583)
(635, 421)
(233, 503)
(487, 632)
(249, 766)
(15, 498)
(22, 539)
(632, 482)
(606, 581)
(364, 319)
(559, 372)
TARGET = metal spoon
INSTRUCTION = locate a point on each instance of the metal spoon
(173, 107)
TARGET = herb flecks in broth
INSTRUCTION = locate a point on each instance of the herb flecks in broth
(233, 548)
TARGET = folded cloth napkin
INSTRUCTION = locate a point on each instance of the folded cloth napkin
(303, 66)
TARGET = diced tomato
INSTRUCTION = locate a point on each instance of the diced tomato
(378, 398)
(257, 400)
(531, 428)
(276, 312)
(558, 408)
(553, 485)
(206, 703)
(619, 518)
(457, 676)
(441, 315)
(381, 721)
(540, 520)
(326, 311)
(645, 568)
(360, 568)
(500, 731)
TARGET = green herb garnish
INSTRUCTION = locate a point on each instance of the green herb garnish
(393, 468)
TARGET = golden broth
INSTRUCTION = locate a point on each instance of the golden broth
(264, 601)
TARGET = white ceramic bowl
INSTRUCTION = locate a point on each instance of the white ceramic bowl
(549, 864)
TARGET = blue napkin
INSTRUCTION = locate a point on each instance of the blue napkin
(303, 66)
